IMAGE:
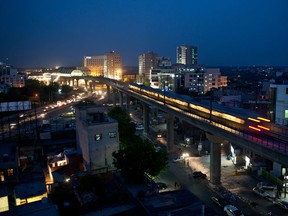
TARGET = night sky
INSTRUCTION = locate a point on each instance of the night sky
(36, 33)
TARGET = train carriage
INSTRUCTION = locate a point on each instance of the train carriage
(235, 118)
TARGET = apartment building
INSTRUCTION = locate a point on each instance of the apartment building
(97, 138)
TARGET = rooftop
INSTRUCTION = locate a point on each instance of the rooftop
(30, 189)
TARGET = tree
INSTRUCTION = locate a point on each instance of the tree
(66, 89)
(15, 94)
(139, 158)
(147, 82)
(135, 157)
(32, 87)
(126, 129)
(53, 89)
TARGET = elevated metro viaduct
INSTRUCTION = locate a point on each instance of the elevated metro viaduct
(215, 133)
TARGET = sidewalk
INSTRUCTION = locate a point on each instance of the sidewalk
(238, 189)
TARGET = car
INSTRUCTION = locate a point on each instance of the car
(199, 174)
(161, 186)
(266, 186)
(28, 132)
(221, 202)
(282, 204)
(157, 148)
(159, 135)
(232, 210)
(178, 158)
(260, 192)
(139, 127)
(13, 125)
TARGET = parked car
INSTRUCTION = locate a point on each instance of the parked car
(266, 186)
(178, 158)
(282, 204)
(181, 157)
(232, 210)
(260, 192)
(221, 202)
(199, 174)
(139, 127)
(161, 186)
(157, 148)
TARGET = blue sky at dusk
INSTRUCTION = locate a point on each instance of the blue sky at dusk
(60, 32)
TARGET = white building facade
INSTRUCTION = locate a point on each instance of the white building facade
(200, 80)
(187, 55)
(10, 77)
(279, 103)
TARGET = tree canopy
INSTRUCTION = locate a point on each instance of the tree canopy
(66, 89)
(136, 156)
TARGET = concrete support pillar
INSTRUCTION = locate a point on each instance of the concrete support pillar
(114, 97)
(215, 159)
(170, 132)
(127, 102)
(121, 99)
(86, 84)
(277, 169)
(91, 88)
(108, 92)
(146, 118)
(93, 85)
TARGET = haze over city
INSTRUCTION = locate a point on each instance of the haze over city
(49, 33)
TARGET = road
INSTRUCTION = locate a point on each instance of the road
(240, 186)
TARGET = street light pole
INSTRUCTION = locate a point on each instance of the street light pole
(211, 98)
(164, 93)
(165, 83)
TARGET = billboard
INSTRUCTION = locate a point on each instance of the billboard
(15, 106)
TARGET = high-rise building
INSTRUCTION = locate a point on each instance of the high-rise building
(95, 64)
(109, 65)
(147, 61)
(200, 80)
(187, 55)
(10, 77)
(113, 65)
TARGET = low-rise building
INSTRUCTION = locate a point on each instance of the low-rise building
(60, 167)
(4, 203)
(30, 192)
(97, 138)
(8, 163)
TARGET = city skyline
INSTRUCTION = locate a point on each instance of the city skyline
(227, 33)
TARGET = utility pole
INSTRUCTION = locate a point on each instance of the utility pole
(211, 99)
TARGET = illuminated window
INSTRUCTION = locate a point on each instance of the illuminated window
(10, 172)
(98, 137)
(286, 113)
(112, 134)
(2, 176)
